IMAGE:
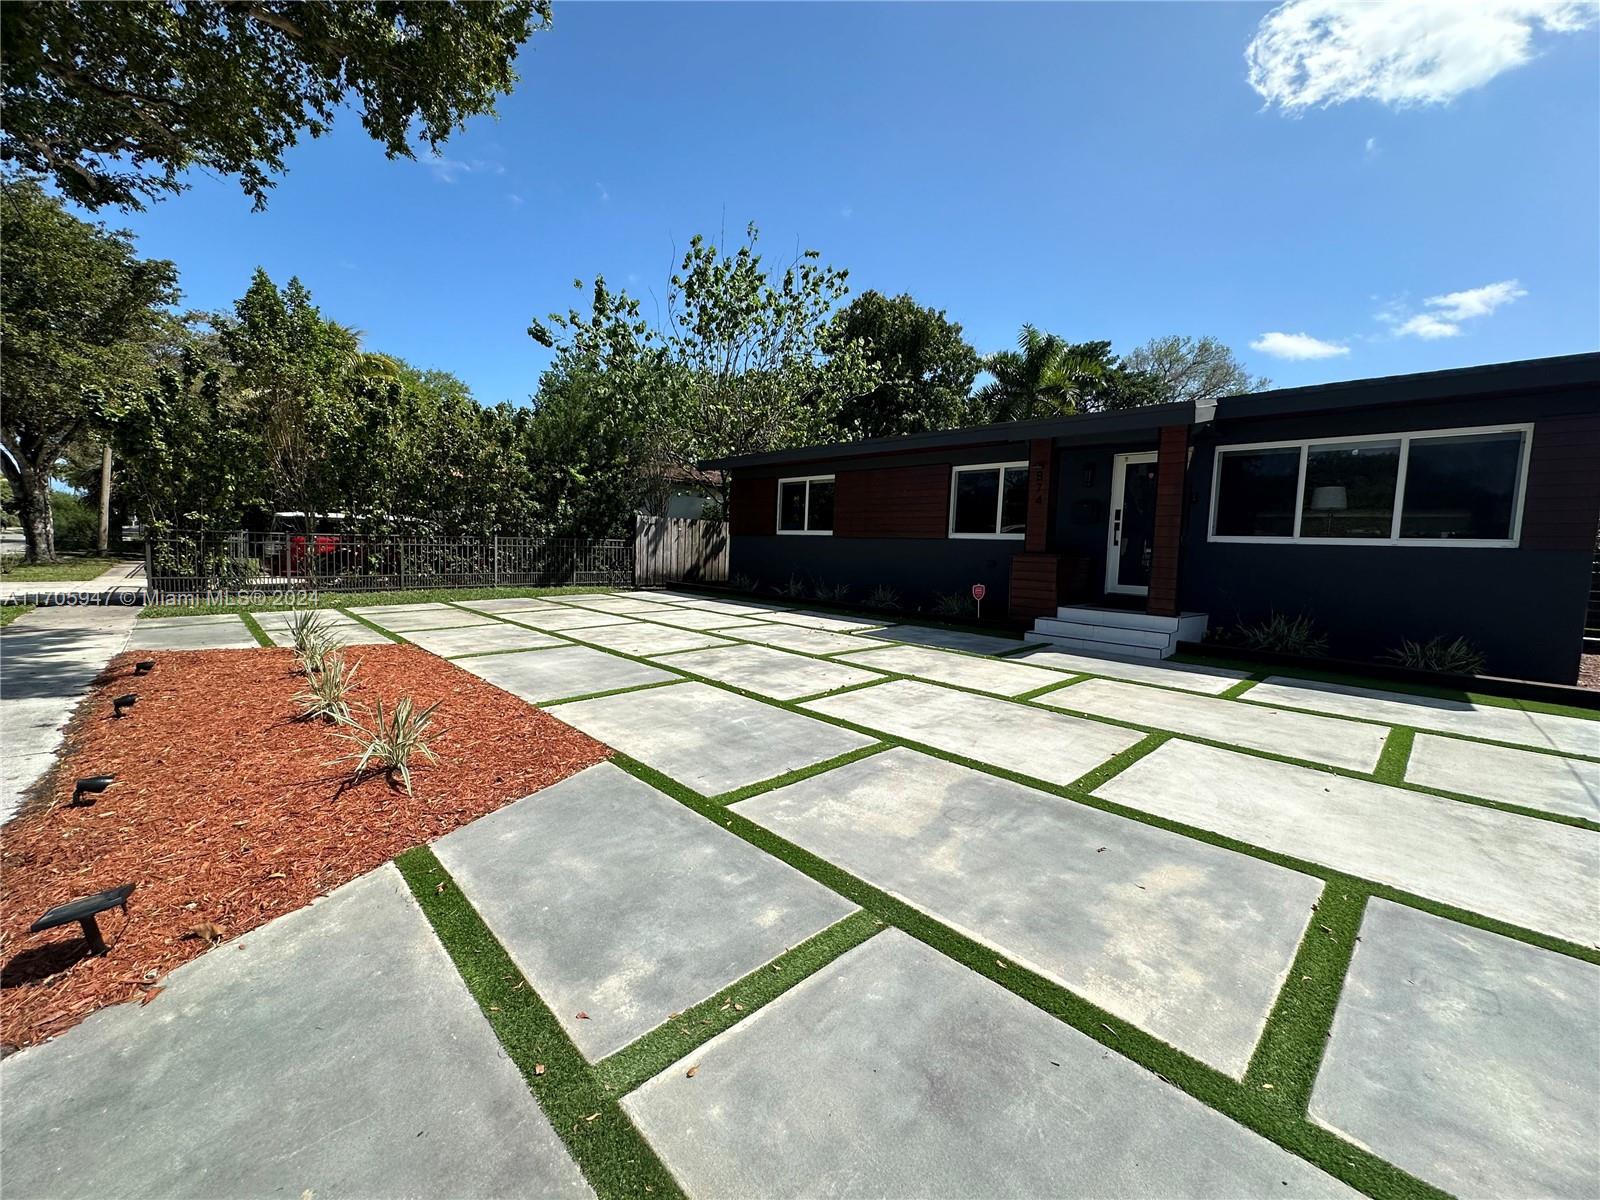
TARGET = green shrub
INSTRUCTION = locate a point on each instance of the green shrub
(795, 589)
(1455, 656)
(831, 593)
(1285, 635)
(327, 695)
(952, 604)
(394, 739)
(77, 523)
(742, 583)
(883, 597)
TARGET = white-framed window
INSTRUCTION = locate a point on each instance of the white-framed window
(805, 505)
(1433, 487)
(989, 500)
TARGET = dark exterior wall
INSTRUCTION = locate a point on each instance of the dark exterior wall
(892, 502)
(1523, 605)
(919, 569)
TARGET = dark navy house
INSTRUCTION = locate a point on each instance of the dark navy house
(1459, 502)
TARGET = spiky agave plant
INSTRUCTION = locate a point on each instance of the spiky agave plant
(1446, 656)
(392, 741)
(327, 694)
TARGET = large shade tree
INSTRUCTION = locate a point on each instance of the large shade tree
(79, 314)
(1187, 368)
(1048, 376)
(114, 101)
(925, 367)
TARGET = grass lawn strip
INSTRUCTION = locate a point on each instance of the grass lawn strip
(69, 570)
(1391, 768)
(254, 626)
(10, 612)
(340, 600)
(614, 1158)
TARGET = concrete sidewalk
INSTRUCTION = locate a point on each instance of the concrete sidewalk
(48, 659)
(122, 583)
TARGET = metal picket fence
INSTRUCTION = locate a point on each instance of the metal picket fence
(191, 563)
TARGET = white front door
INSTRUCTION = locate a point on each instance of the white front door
(1130, 533)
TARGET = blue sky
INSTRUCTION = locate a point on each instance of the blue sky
(1102, 171)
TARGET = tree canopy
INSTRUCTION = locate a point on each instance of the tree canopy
(80, 312)
(115, 101)
(924, 366)
(1186, 368)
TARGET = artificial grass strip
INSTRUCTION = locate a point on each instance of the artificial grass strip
(256, 631)
(613, 1156)
(1266, 1116)
(1284, 1065)
(1396, 756)
(661, 1047)
(637, 687)
(375, 627)
(1238, 689)
(799, 773)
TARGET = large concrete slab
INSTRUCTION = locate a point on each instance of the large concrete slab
(559, 673)
(1001, 678)
(945, 639)
(1524, 870)
(510, 604)
(407, 623)
(742, 608)
(895, 1071)
(1468, 1059)
(1548, 731)
(619, 604)
(334, 1052)
(558, 617)
(797, 637)
(618, 902)
(482, 639)
(1340, 743)
(709, 739)
(345, 633)
(1545, 781)
(1183, 939)
(644, 639)
(816, 620)
(370, 610)
(770, 672)
(1185, 676)
(181, 633)
(1049, 746)
(696, 618)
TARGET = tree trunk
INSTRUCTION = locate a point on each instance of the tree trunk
(105, 498)
(38, 524)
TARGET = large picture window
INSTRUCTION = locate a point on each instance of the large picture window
(805, 505)
(989, 501)
(1444, 487)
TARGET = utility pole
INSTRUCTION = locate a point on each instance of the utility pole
(105, 498)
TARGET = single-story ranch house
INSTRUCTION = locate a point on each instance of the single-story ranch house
(1460, 502)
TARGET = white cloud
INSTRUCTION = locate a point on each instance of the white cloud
(515, 199)
(1313, 53)
(1476, 302)
(1372, 147)
(448, 170)
(1427, 326)
(1297, 346)
(605, 195)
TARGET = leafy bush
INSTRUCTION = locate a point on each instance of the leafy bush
(1457, 656)
(230, 572)
(883, 597)
(393, 741)
(952, 604)
(795, 589)
(77, 523)
(1285, 635)
(327, 696)
(742, 583)
(831, 593)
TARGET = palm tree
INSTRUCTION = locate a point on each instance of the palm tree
(1045, 376)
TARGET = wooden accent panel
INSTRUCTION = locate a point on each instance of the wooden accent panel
(1171, 463)
(1040, 453)
(1562, 504)
(1033, 586)
(753, 507)
(893, 502)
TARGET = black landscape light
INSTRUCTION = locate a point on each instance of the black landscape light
(127, 700)
(83, 911)
(92, 786)
(144, 667)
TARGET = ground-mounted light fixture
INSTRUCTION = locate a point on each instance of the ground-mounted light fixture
(83, 911)
(144, 666)
(123, 703)
(91, 787)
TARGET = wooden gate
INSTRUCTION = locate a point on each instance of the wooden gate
(678, 549)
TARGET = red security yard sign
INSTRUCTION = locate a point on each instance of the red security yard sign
(978, 593)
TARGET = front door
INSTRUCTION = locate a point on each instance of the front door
(1130, 540)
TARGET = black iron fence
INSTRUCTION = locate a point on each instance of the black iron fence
(185, 564)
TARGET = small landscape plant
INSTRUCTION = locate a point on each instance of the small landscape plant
(392, 742)
(831, 593)
(742, 583)
(951, 604)
(795, 589)
(883, 597)
(309, 629)
(327, 695)
(1285, 635)
(1452, 656)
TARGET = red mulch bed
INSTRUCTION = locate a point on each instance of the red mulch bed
(228, 811)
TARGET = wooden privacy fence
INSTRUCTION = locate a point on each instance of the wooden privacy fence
(180, 564)
(674, 549)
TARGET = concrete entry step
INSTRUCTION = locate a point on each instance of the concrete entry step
(1119, 631)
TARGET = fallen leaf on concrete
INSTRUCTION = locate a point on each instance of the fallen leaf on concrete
(692, 1072)
(583, 1016)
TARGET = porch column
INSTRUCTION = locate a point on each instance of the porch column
(1040, 456)
(1034, 584)
(1172, 457)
